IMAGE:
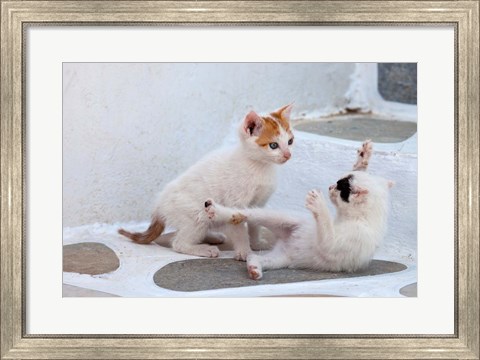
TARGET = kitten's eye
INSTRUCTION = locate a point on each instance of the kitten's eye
(273, 145)
(290, 142)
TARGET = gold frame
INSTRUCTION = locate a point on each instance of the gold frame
(16, 344)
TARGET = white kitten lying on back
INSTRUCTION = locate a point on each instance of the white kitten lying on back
(244, 176)
(347, 243)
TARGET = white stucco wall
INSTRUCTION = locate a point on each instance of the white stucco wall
(128, 129)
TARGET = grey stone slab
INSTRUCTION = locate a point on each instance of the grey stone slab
(208, 274)
(359, 128)
(398, 82)
(76, 291)
(89, 258)
(409, 290)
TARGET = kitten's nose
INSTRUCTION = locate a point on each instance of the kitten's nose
(287, 155)
(331, 187)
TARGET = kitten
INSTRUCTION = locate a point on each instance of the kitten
(346, 244)
(244, 176)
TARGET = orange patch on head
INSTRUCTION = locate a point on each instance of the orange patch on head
(270, 130)
(283, 117)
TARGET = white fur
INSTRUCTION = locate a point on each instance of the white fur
(346, 243)
(244, 176)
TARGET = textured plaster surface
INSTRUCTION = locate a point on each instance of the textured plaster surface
(130, 128)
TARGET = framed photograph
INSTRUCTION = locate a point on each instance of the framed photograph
(323, 136)
(105, 103)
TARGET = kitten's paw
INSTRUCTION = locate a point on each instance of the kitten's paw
(364, 153)
(210, 209)
(241, 255)
(313, 194)
(202, 250)
(208, 251)
(254, 272)
(314, 201)
(366, 149)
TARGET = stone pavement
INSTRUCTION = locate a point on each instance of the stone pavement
(97, 259)
(359, 128)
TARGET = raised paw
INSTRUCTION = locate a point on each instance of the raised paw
(315, 202)
(313, 199)
(210, 208)
(364, 153)
(254, 272)
(313, 194)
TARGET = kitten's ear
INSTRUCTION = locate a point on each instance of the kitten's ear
(390, 183)
(284, 112)
(252, 124)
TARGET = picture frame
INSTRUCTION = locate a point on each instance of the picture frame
(17, 15)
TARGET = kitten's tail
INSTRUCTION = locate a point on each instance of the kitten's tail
(154, 231)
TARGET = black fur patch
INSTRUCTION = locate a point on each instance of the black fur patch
(343, 185)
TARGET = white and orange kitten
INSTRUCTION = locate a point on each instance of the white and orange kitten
(347, 243)
(243, 176)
